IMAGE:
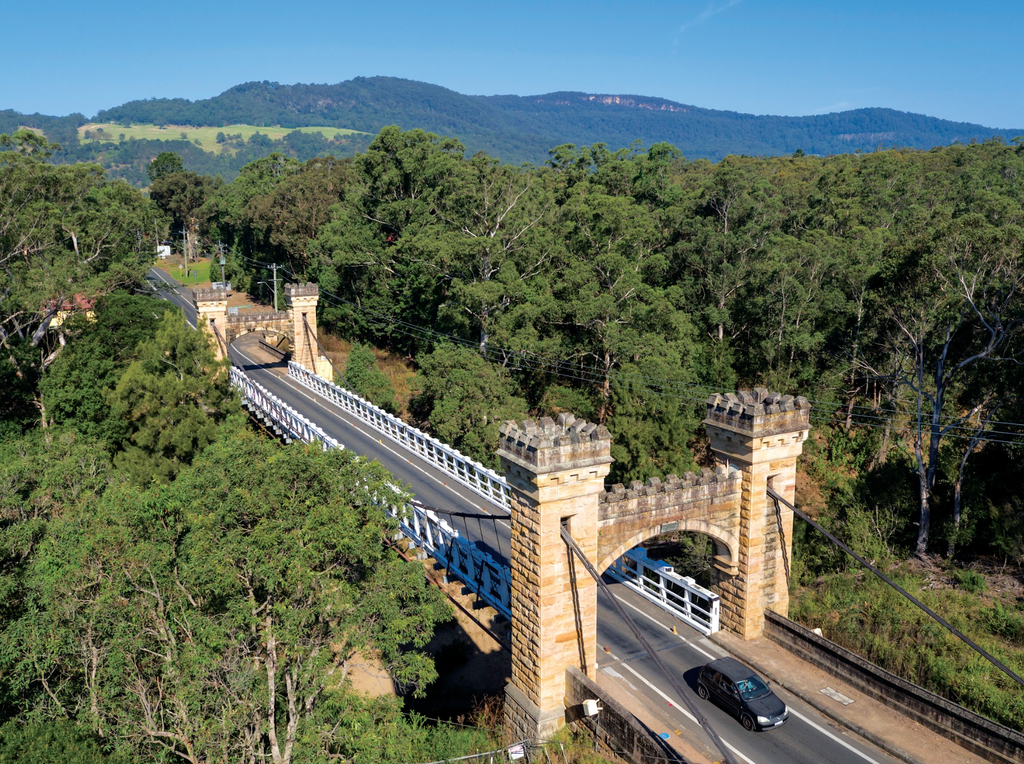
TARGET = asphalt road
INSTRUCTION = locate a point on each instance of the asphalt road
(807, 738)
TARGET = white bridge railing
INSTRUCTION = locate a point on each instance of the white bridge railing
(473, 475)
(659, 583)
(489, 579)
(485, 576)
(291, 424)
(480, 572)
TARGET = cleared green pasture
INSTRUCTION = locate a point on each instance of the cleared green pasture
(207, 136)
(198, 271)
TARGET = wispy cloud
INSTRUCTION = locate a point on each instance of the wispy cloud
(713, 9)
(837, 106)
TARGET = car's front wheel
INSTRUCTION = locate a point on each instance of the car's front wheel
(748, 722)
(702, 691)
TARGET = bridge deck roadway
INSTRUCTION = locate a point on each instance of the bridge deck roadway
(808, 738)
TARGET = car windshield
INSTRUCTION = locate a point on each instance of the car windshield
(751, 687)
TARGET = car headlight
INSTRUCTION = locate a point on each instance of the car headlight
(785, 710)
(763, 720)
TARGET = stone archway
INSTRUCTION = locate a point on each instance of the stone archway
(297, 323)
(726, 543)
(555, 472)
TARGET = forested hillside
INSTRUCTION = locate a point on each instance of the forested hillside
(156, 606)
(523, 128)
(514, 129)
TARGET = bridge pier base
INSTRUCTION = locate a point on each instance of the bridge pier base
(556, 471)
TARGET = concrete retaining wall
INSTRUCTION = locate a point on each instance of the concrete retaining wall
(966, 728)
(618, 730)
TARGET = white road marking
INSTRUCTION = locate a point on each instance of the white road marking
(682, 639)
(792, 712)
(838, 739)
(682, 710)
(612, 672)
(159, 273)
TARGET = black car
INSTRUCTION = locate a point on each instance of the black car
(743, 693)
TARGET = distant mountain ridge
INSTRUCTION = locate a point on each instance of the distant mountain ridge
(513, 128)
(525, 128)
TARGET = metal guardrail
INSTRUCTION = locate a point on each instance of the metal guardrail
(479, 479)
(486, 577)
(291, 423)
(659, 583)
(489, 579)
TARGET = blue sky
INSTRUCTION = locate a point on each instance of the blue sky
(956, 60)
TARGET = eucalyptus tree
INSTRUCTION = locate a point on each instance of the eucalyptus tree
(172, 399)
(606, 300)
(957, 311)
(734, 214)
(496, 220)
(221, 617)
(293, 213)
(181, 196)
(383, 248)
(363, 377)
(465, 398)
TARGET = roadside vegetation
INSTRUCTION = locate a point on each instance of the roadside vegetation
(175, 585)
(862, 614)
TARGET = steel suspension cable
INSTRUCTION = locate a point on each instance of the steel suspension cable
(638, 635)
(924, 608)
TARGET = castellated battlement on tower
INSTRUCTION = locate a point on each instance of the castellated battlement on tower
(302, 290)
(209, 295)
(758, 412)
(670, 492)
(259, 317)
(549, 444)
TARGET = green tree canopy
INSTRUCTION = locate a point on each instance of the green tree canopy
(173, 398)
(364, 377)
(166, 163)
(223, 612)
(465, 398)
(56, 742)
(75, 388)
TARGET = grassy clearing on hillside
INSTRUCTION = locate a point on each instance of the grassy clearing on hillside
(109, 132)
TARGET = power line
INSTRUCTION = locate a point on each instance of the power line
(657, 386)
(591, 376)
(907, 595)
